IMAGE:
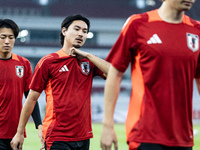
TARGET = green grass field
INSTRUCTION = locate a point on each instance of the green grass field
(32, 141)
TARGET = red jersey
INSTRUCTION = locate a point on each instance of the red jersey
(15, 77)
(67, 82)
(164, 62)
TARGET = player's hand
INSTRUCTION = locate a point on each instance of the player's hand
(42, 147)
(108, 137)
(78, 53)
(40, 127)
(17, 141)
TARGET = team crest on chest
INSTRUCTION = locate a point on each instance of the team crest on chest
(85, 67)
(19, 71)
(193, 42)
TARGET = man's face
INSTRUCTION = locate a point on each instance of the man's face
(181, 5)
(76, 34)
(7, 41)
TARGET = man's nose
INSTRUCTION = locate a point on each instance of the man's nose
(80, 33)
(7, 40)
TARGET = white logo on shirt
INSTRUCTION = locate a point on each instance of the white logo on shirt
(19, 71)
(154, 40)
(192, 42)
(64, 69)
(85, 67)
(90, 132)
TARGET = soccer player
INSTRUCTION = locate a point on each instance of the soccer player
(15, 77)
(163, 48)
(66, 76)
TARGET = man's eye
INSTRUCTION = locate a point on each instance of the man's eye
(2, 37)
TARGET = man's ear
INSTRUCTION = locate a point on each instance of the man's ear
(64, 31)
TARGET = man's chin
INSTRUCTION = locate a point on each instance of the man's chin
(76, 45)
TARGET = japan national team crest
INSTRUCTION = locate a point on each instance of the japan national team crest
(19, 71)
(193, 42)
(85, 67)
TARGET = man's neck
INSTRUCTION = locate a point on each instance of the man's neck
(5, 55)
(66, 48)
(169, 14)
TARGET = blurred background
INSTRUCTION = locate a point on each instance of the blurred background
(39, 22)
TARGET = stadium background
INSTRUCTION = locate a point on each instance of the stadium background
(39, 22)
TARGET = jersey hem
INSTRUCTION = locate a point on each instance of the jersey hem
(68, 139)
(189, 144)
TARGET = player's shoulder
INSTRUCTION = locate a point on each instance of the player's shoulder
(53, 56)
(47, 58)
(196, 24)
(19, 58)
(191, 22)
(142, 17)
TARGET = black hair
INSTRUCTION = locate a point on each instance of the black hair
(8, 23)
(68, 21)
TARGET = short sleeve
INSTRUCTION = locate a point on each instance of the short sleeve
(40, 76)
(98, 72)
(29, 74)
(120, 54)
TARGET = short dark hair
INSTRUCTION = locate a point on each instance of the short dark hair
(68, 21)
(8, 23)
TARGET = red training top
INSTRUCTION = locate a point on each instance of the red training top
(67, 82)
(15, 77)
(164, 59)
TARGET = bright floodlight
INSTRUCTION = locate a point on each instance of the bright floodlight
(24, 33)
(43, 2)
(140, 4)
(90, 35)
(150, 2)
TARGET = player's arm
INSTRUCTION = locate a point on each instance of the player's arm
(111, 92)
(100, 63)
(36, 118)
(27, 109)
(35, 114)
(198, 84)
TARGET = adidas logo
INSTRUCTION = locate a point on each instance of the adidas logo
(154, 40)
(64, 69)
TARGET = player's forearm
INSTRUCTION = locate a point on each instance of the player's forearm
(36, 115)
(111, 92)
(27, 110)
(25, 114)
(198, 84)
(100, 63)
